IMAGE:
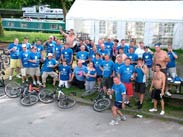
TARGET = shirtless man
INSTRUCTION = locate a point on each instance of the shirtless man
(69, 37)
(161, 57)
(158, 83)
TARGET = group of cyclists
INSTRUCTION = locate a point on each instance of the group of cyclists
(115, 66)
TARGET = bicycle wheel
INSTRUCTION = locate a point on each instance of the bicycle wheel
(102, 104)
(12, 90)
(46, 96)
(29, 100)
(66, 102)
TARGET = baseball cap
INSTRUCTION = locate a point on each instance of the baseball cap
(50, 54)
(24, 46)
(157, 45)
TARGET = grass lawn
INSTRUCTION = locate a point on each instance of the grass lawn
(33, 36)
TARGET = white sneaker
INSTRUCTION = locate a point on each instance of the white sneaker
(113, 122)
(162, 112)
(18, 76)
(153, 110)
(168, 93)
(10, 77)
(39, 83)
(34, 82)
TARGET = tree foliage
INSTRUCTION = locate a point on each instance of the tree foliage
(18, 4)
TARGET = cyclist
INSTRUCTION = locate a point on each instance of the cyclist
(119, 91)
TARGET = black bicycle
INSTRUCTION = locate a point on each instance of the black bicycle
(63, 101)
(4, 58)
(102, 102)
(28, 94)
(13, 89)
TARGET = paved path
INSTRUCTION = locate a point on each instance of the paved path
(44, 120)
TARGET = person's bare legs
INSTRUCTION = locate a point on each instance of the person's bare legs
(155, 103)
(11, 71)
(141, 98)
(18, 70)
(162, 105)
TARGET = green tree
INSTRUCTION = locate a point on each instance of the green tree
(66, 5)
(18, 4)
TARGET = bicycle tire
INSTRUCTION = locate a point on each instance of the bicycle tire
(66, 103)
(12, 90)
(7, 60)
(46, 96)
(29, 100)
(102, 104)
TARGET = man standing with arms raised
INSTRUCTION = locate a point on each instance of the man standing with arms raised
(69, 37)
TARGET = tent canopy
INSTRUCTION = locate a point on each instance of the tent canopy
(127, 10)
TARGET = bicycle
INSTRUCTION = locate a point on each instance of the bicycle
(13, 90)
(102, 102)
(27, 93)
(2, 82)
(4, 58)
(2, 73)
(63, 101)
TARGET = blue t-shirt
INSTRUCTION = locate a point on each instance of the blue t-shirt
(24, 56)
(50, 47)
(126, 72)
(67, 54)
(109, 45)
(58, 51)
(40, 48)
(108, 68)
(14, 54)
(92, 54)
(28, 46)
(91, 72)
(117, 67)
(104, 52)
(65, 71)
(79, 73)
(47, 65)
(134, 48)
(89, 47)
(148, 59)
(141, 77)
(125, 48)
(119, 90)
(82, 55)
(132, 56)
(171, 63)
(97, 63)
(34, 56)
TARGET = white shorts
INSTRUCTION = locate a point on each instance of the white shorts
(63, 82)
(24, 71)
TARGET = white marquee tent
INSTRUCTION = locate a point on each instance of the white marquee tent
(148, 21)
